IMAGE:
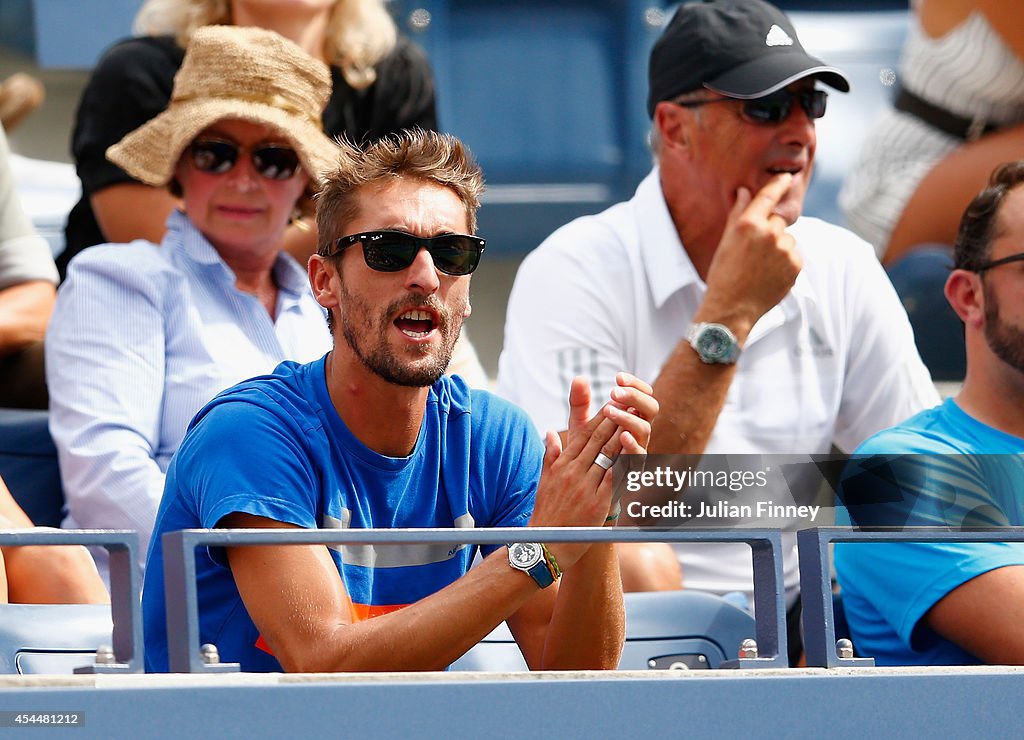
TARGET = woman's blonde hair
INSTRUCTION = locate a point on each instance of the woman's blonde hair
(359, 33)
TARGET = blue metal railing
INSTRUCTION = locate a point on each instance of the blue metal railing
(182, 598)
(816, 580)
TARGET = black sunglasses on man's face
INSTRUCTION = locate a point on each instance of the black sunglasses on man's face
(773, 109)
(392, 251)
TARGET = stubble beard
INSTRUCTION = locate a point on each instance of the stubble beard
(1005, 341)
(368, 338)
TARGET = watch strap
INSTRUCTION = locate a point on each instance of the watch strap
(542, 574)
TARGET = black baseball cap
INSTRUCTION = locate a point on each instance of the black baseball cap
(739, 48)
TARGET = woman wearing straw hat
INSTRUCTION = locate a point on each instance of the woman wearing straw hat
(381, 84)
(143, 335)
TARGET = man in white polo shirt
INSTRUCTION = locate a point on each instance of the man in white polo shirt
(761, 331)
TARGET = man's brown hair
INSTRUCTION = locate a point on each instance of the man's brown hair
(411, 154)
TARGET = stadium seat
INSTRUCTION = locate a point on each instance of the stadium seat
(52, 638)
(59, 34)
(665, 629)
(28, 465)
(550, 97)
(682, 629)
(919, 279)
(65, 638)
(497, 652)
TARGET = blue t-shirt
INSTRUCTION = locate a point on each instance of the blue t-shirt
(938, 468)
(274, 446)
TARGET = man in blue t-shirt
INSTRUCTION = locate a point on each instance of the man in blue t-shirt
(960, 464)
(373, 435)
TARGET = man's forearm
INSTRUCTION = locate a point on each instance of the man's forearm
(434, 632)
(690, 392)
(24, 313)
(588, 625)
(995, 598)
(299, 605)
(691, 395)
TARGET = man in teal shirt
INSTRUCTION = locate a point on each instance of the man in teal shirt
(960, 464)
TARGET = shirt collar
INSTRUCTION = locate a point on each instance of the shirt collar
(290, 276)
(668, 266)
(182, 234)
(666, 262)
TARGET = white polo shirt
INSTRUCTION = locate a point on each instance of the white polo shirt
(833, 362)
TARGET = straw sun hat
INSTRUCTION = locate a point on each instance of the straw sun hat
(235, 72)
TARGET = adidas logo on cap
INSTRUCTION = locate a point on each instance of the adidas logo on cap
(777, 37)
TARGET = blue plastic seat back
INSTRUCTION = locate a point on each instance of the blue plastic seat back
(666, 629)
(682, 629)
(52, 638)
(28, 465)
(550, 97)
(60, 34)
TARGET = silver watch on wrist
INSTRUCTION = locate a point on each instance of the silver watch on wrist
(529, 558)
(715, 344)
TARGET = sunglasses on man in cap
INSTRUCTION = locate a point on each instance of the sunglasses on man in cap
(771, 109)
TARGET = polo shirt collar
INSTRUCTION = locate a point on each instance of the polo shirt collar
(666, 262)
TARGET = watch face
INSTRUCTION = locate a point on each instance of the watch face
(714, 344)
(525, 555)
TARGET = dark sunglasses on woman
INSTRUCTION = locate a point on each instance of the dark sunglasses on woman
(772, 109)
(218, 156)
(392, 251)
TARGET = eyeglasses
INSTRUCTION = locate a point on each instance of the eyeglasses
(1001, 261)
(772, 109)
(392, 251)
(217, 157)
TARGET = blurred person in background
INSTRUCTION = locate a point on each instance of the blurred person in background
(27, 292)
(959, 112)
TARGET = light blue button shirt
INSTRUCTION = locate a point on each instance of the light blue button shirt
(142, 336)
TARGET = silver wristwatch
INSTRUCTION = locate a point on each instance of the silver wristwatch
(715, 344)
(529, 558)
